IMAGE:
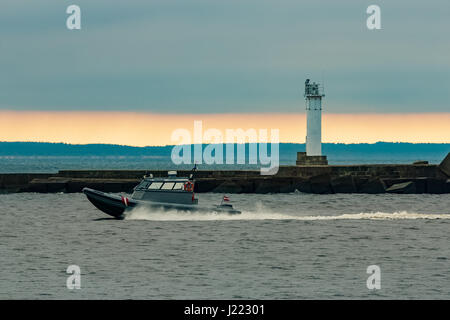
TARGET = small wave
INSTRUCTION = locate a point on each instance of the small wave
(143, 213)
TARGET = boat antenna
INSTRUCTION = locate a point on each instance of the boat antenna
(194, 169)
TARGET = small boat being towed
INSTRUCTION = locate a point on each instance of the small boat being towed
(171, 193)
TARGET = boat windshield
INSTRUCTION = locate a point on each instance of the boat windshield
(155, 186)
(143, 185)
(179, 186)
(168, 186)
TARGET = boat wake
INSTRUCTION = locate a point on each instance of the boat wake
(147, 214)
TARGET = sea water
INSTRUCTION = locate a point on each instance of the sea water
(282, 246)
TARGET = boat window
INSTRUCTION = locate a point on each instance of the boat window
(179, 186)
(167, 186)
(143, 185)
(155, 186)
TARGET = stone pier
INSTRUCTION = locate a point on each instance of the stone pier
(321, 179)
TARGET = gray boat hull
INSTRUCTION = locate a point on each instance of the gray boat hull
(116, 205)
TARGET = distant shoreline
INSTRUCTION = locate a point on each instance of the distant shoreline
(64, 149)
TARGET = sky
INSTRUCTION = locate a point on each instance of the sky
(175, 60)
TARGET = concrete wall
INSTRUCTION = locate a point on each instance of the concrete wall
(315, 179)
(16, 181)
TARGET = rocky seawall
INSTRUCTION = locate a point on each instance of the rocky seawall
(414, 178)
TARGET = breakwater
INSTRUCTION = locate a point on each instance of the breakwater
(322, 179)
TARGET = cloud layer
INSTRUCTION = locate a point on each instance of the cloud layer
(204, 56)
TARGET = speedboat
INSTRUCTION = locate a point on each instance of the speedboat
(169, 193)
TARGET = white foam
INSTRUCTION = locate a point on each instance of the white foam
(142, 213)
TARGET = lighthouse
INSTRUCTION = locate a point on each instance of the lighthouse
(313, 95)
(313, 155)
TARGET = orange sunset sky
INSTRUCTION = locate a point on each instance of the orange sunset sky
(144, 129)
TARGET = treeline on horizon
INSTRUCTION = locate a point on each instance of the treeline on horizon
(64, 149)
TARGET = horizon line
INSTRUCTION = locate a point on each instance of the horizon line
(172, 145)
(153, 129)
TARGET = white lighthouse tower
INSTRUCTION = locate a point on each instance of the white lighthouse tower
(313, 155)
(313, 95)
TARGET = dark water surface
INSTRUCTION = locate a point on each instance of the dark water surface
(283, 246)
(52, 164)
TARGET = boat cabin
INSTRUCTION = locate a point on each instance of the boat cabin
(171, 189)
